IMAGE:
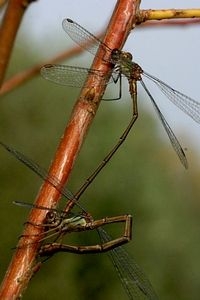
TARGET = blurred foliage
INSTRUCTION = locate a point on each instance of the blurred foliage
(144, 179)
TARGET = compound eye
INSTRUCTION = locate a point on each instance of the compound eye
(115, 55)
(50, 217)
(129, 55)
(115, 51)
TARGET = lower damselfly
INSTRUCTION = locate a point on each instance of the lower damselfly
(123, 66)
(57, 224)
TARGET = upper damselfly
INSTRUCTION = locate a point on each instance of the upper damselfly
(123, 65)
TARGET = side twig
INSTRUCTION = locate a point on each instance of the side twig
(150, 14)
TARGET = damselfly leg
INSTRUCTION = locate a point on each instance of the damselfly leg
(123, 65)
(57, 224)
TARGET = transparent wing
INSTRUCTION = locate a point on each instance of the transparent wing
(69, 75)
(30, 205)
(174, 141)
(83, 37)
(134, 281)
(42, 173)
(185, 103)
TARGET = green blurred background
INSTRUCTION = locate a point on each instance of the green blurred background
(144, 179)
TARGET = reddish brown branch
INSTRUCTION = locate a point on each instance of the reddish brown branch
(8, 31)
(23, 263)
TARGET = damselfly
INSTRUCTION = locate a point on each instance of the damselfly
(58, 223)
(135, 282)
(123, 65)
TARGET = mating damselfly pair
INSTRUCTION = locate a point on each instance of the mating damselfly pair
(58, 224)
(123, 65)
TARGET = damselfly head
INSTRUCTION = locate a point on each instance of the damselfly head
(52, 218)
